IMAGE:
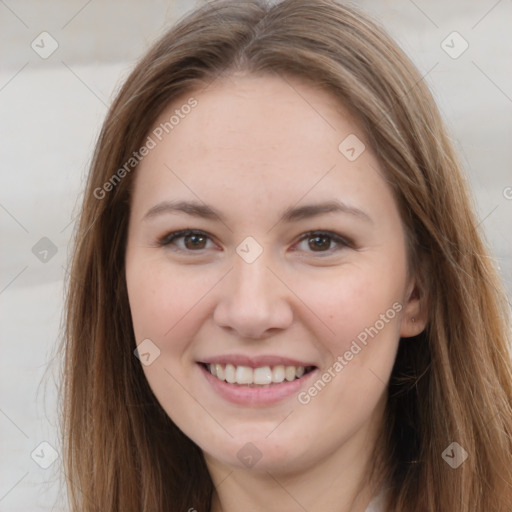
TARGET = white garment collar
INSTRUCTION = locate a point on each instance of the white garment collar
(377, 504)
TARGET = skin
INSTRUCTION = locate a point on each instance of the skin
(252, 147)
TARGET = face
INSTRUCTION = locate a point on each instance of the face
(266, 269)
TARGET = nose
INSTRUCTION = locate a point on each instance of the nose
(254, 303)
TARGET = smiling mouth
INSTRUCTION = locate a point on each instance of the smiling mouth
(263, 376)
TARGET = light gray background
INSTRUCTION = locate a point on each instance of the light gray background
(50, 114)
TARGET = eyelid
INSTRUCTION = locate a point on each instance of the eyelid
(336, 238)
(342, 241)
(174, 235)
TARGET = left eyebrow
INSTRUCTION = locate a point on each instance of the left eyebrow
(313, 210)
(289, 215)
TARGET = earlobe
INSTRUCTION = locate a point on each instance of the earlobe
(414, 318)
(411, 327)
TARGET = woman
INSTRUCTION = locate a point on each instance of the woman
(279, 299)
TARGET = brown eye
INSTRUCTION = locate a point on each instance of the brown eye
(319, 242)
(185, 240)
(323, 242)
(194, 241)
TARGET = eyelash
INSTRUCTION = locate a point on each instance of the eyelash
(169, 238)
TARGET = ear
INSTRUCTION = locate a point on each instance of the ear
(414, 313)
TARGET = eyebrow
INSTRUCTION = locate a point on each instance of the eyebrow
(289, 215)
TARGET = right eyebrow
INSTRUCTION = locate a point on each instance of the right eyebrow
(188, 207)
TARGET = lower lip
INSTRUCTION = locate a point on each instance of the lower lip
(245, 395)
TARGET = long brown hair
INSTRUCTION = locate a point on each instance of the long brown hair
(451, 383)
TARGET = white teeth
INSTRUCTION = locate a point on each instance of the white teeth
(219, 371)
(278, 373)
(289, 373)
(243, 375)
(229, 373)
(261, 376)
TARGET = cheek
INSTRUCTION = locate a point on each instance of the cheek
(165, 307)
(364, 314)
(363, 310)
(162, 301)
(354, 300)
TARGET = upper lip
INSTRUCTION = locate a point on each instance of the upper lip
(254, 361)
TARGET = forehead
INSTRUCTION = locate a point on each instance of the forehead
(263, 118)
(261, 138)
